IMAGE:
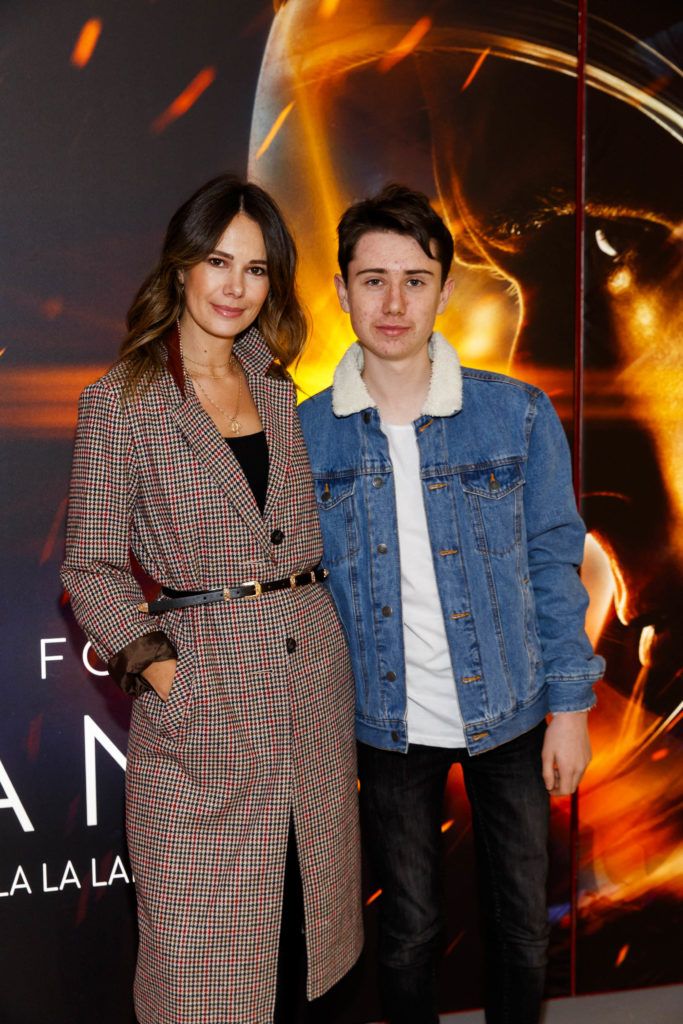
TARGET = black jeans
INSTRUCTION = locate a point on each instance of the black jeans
(401, 803)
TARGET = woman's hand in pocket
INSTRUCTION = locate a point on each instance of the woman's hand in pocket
(160, 675)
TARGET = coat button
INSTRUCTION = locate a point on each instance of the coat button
(394, 735)
(387, 611)
(367, 416)
(377, 481)
(277, 536)
(390, 677)
(382, 549)
(291, 645)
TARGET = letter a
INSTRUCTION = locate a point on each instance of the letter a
(12, 801)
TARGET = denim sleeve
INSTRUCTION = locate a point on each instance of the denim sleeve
(555, 540)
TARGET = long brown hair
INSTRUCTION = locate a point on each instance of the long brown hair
(193, 233)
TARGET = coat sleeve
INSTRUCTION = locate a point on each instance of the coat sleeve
(97, 569)
(555, 540)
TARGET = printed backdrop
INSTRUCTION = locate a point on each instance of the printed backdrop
(111, 116)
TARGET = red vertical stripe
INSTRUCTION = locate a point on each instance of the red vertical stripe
(577, 451)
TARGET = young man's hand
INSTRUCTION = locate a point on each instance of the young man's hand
(566, 752)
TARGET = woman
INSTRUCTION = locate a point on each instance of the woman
(189, 454)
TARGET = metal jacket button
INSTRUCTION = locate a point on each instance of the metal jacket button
(367, 416)
(390, 677)
(277, 536)
(377, 481)
(394, 735)
(387, 611)
(291, 645)
(382, 549)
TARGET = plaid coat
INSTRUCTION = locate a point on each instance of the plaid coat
(259, 722)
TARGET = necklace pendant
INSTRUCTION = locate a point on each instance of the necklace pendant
(235, 426)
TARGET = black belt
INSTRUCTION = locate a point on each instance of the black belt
(250, 589)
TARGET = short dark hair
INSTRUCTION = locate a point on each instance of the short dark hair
(402, 210)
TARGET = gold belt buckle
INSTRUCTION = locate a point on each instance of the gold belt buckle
(293, 581)
(258, 590)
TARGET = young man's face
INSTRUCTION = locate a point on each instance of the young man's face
(393, 294)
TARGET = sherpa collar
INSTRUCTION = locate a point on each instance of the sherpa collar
(349, 393)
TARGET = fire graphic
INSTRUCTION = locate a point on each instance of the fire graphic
(475, 105)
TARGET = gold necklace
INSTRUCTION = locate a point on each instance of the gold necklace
(235, 425)
(207, 366)
(211, 376)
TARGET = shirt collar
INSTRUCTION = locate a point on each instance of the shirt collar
(444, 397)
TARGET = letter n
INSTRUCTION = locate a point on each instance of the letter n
(93, 734)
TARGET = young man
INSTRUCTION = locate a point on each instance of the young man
(452, 539)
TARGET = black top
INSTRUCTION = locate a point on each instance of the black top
(251, 451)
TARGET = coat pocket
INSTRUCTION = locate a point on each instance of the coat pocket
(168, 714)
(494, 500)
(334, 499)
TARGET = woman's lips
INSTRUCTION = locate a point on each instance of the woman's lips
(227, 311)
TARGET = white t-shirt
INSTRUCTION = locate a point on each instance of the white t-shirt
(433, 712)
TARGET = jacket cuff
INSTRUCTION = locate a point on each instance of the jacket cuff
(574, 711)
(125, 667)
(565, 696)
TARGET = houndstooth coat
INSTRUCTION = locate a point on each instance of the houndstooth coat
(259, 722)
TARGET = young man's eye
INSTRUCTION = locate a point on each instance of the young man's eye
(373, 281)
(415, 282)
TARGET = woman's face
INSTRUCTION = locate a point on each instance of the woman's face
(225, 292)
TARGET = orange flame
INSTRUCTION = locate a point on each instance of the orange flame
(447, 825)
(86, 43)
(375, 896)
(623, 953)
(187, 99)
(277, 125)
(476, 69)
(41, 401)
(405, 45)
(328, 8)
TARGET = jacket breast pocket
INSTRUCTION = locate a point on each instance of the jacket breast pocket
(494, 500)
(334, 498)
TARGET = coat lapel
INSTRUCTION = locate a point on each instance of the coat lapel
(218, 461)
(273, 400)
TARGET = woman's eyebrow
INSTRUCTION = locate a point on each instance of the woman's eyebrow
(229, 256)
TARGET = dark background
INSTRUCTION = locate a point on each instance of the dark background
(87, 189)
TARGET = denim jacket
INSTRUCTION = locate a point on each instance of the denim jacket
(506, 541)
